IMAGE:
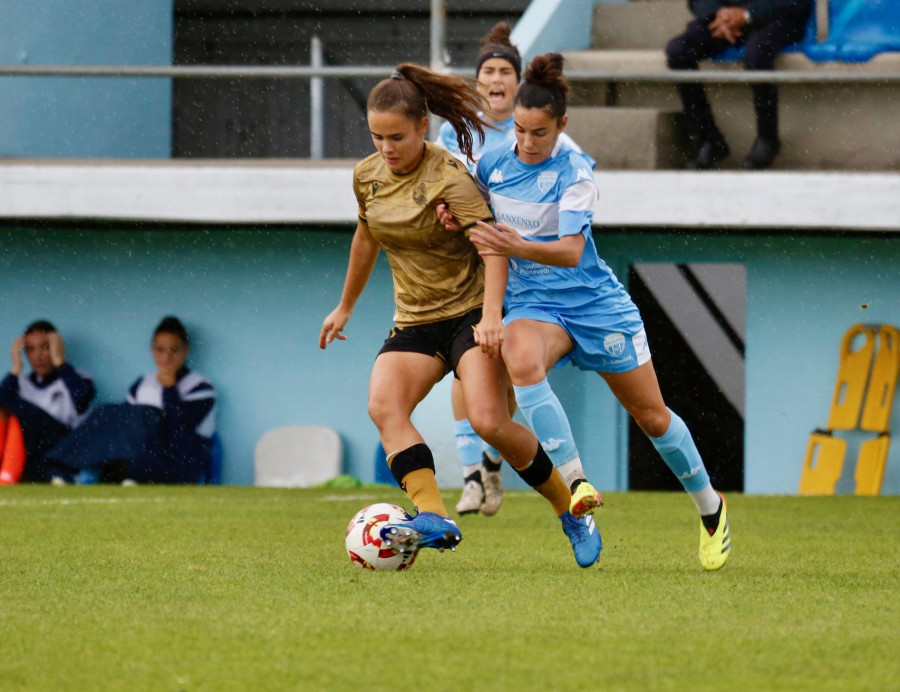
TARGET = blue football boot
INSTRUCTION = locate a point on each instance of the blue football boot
(585, 538)
(425, 530)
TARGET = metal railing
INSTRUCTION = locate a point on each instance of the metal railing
(317, 71)
(380, 72)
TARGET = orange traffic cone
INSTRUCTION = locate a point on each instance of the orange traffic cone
(13, 449)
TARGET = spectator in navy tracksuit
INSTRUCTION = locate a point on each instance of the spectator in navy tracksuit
(161, 435)
(765, 28)
(50, 401)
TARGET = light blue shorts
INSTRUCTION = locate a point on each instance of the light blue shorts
(603, 343)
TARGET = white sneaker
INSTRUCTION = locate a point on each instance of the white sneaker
(129, 483)
(493, 492)
(472, 498)
(58, 480)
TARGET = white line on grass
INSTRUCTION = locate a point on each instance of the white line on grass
(80, 501)
(341, 498)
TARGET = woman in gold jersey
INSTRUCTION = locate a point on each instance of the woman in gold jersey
(448, 302)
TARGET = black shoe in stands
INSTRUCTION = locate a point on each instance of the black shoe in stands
(713, 149)
(762, 154)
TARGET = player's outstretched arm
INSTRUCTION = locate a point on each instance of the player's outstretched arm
(504, 240)
(489, 331)
(363, 253)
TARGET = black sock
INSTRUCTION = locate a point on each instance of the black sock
(576, 483)
(711, 521)
(475, 476)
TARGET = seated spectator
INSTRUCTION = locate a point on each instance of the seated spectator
(162, 434)
(765, 28)
(45, 404)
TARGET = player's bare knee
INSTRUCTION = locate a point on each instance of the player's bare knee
(382, 412)
(652, 422)
(525, 371)
(488, 424)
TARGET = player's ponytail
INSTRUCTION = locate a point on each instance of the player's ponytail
(544, 86)
(415, 90)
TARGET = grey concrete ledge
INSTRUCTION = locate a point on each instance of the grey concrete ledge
(300, 192)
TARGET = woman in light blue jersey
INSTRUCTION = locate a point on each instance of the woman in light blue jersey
(564, 303)
(498, 71)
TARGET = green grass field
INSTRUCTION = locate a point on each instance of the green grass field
(110, 588)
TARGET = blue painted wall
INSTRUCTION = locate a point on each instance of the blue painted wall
(254, 300)
(76, 116)
(803, 293)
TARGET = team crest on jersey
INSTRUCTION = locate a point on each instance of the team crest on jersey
(496, 176)
(419, 195)
(546, 180)
(582, 175)
(615, 344)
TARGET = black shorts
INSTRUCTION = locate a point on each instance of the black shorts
(446, 340)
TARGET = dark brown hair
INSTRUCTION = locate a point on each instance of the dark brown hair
(496, 44)
(544, 86)
(414, 91)
(40, 326)
(172, 325)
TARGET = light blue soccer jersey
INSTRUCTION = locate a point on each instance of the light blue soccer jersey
(492, 139)
(545, 202)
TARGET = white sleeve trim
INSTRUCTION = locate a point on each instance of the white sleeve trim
(582, 196)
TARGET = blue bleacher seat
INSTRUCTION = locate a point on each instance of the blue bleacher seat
(858, 30)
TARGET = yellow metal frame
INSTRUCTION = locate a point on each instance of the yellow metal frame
(853, 372)
(864, 396)
(823, 464)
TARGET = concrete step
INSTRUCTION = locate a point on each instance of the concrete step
(822, 126)
(639, 24)
(628, 138)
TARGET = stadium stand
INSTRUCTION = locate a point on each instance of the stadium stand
(636, 125)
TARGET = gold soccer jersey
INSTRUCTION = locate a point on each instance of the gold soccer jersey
(438, 274)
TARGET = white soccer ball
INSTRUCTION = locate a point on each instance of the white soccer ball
(364, 545)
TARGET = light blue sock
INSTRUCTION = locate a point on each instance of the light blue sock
(468, 445)
(677, 448)
(545, 416)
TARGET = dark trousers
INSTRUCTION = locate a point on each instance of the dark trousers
(762, 44)
(136, 442)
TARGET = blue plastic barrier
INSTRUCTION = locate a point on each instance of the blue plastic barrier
(382, 470)
(213, 475)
